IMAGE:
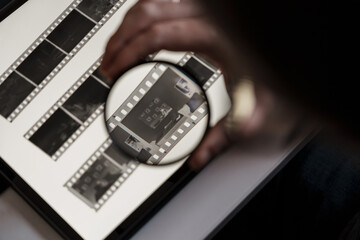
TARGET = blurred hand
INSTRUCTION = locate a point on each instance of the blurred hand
(269, 121)
(153, 25)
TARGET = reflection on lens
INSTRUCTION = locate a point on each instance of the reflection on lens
(156, 113)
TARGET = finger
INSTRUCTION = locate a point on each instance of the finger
(141, 17)
(172, 36)
(215, 142)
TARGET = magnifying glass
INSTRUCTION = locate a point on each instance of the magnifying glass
(157, 113)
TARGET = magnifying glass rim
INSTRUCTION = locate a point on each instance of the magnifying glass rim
(191, 77)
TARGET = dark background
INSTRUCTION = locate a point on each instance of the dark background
(3, 3)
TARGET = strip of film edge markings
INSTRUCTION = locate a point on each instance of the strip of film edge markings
(178, 134)
(59, 103)
(40, 39)
(91, 160)
(212, 79)
(135, 96)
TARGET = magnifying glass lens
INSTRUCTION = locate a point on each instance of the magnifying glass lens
(157, 113)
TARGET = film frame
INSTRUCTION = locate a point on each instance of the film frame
(16, 88)
(176, 133)
(126, 170)
(209, 81)
(55, 132)
(67, 56)
(59, 104)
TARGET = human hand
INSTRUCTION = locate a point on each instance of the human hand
(261, 119)
(153, 25)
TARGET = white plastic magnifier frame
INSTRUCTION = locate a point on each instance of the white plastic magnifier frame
(157, 113)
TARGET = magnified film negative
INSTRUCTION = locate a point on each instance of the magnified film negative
(201, 69)
(152, 121)
(121, 164)
(64, 122)
(52, 50)
(101, 175)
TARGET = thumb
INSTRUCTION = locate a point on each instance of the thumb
(215, 142)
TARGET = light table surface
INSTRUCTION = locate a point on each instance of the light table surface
(216, 193)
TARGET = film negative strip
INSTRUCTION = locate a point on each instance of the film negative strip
(53, 49)
(101, 175)
(201, 69)
(69, 117)
(150, 123)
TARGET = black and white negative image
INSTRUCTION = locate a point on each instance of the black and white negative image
(147, 132)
